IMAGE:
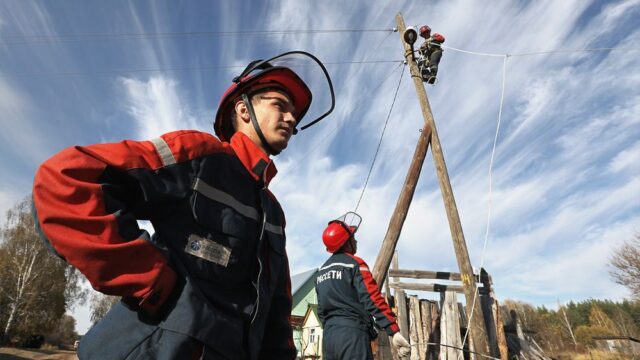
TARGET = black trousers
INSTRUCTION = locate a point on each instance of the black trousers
(345, 343)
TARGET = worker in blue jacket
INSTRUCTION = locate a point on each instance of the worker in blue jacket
(350, 305)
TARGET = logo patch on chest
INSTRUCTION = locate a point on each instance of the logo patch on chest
(208, 249)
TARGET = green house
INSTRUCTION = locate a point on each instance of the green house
(304, 294)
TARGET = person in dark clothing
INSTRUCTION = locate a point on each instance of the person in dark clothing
(350, 306)
(430, 54)
(213, 281)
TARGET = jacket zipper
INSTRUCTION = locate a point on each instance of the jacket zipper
(257, 286)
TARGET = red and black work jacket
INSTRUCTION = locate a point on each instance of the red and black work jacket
(349, 296)
(217, 227)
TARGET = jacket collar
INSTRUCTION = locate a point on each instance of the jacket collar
(256, 161)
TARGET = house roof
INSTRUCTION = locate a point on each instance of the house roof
(300, 279)
(313, 308)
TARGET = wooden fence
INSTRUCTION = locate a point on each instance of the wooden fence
(436, 330)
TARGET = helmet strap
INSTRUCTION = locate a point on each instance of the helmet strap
(256, 126)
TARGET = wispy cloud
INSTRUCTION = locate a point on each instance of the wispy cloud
(626, 159)
(565, 169)
(548, 154)
(156, 106)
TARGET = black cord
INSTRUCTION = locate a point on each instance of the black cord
(31, 39)
(380, 142)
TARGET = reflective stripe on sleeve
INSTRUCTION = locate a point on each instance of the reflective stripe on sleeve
(336, 264)
(164, 151)
(274, 228)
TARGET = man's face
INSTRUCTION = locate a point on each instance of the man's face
(274, 112)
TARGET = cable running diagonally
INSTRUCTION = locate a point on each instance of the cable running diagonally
(339, 125)
(375, 156)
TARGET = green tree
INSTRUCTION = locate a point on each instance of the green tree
(585, 334)
(598, 318)
(64, 333)
(100, 305)
(36, 287)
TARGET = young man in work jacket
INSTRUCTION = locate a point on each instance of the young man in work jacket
(213, 281)
(349, 298)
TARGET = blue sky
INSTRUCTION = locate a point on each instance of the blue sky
(566, 174)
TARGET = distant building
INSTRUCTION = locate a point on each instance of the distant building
(618, 344)
(311, 337)
(304, 294)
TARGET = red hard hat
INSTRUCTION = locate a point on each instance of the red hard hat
(336, 234)
(438, 38)
(268, 76)
(425, 31)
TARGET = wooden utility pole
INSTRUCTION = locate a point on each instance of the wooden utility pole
(402, 208)
(477, 328)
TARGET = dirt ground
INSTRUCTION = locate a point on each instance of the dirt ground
(37, 354)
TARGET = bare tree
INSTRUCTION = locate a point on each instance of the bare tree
(626, 263)
(35, 287)
(100, 305)
(567, 324)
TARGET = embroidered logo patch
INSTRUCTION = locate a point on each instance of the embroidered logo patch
(208, 250)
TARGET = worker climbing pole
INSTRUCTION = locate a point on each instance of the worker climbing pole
(430, 54)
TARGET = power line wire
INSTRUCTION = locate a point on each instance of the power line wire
(558, 51)
(340, 125)
(41, 38)
(575, 50)
(375, 155)
(179, 68)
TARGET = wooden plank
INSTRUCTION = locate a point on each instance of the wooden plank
(417, 333)
(435, 329)
(396, 294)
(384, 346)
(450, 328)
(462, 311)
(425, 317)
(403, 316)
(423, 274)
(487, 309)
(502, 339)
(425, 287)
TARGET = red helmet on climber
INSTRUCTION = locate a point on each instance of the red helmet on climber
(425, 31)
(289, 73)
(438, 38)
(340, 230)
